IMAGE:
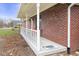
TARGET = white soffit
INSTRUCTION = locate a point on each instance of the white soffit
(77, 4)
(44, 6)
(29, 9)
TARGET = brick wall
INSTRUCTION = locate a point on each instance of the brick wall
(34, 18)
(75, 27)
(54, 24)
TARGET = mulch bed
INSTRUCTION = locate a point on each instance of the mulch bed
(15, 45)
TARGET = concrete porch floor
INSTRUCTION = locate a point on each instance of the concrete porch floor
(16, 46)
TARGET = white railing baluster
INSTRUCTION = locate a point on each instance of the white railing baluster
(32, 35)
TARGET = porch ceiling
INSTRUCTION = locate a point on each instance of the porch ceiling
(44, 6)
(29, 9)
(77, 4)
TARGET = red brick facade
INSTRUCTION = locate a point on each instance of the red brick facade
(75, 27)
(54, 24)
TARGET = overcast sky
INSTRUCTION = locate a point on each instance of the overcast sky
(9, 10)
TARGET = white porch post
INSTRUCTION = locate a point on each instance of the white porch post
(31, 24)
(22, 23)
(26, 21)
(38, 27)
(69, 19)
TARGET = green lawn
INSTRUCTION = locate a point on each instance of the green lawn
(6, 32)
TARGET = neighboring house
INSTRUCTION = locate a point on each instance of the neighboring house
(53, 25)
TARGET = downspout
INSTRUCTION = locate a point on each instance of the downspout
(69, 19)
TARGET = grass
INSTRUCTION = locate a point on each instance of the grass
(6, 32)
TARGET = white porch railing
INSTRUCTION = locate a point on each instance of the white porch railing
(23, 31)
(30, 34)
(30, 37)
